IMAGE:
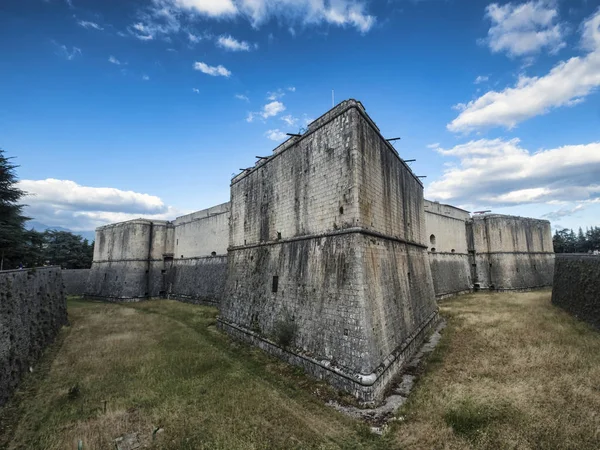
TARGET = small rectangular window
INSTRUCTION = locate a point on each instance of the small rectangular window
(275, 284)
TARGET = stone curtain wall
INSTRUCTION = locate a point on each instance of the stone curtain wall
(326, 238)
(197, 280)
(32, 311)
(576, 286)
(75, 281)
(448, 249)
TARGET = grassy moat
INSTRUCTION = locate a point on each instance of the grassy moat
(511, 371)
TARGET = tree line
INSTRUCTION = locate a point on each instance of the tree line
(20, 247)
(566, 241)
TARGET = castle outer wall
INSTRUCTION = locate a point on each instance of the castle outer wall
(448, 248)
(575, 286)
(185, 259)
(327, 238)
(511, 253)
(32, 311)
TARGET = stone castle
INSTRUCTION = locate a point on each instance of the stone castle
(327, 255)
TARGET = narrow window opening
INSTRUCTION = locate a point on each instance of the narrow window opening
(275, 284)
(409, 277)
(177, 241)
(341, 210)
(251, 258)
(534, 268)
(244, 241)
(517, 270)
(146, 271)
(278, 235)
(182, 256)
(105, 276)
(163, 271)
(432, 239)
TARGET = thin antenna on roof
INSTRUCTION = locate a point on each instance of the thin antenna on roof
(332, 98)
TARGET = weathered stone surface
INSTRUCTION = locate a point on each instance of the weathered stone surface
(328, 235)
(511, 252)
(486, 252)
(32, 310)
(75, 281)
(576, 286)
(184, 259)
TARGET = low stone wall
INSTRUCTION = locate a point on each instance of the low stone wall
(451, 273)
(197, 280)
(577, 286)
(75, 281)
(32, 310)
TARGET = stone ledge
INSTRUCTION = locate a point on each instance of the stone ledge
(368, 388)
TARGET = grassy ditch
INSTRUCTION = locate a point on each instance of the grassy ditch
(511, 371)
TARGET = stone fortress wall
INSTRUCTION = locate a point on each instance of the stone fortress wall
(319, 232)
(75, 281)
(489, 251)
(575, 287)
(184, 259)
(330, 239)
(32, 311)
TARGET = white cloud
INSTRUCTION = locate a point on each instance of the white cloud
(242, 97)
(211, 8)
(257, 12)
(230, 43)
(269, 110)
(272, 109)
(290, 120)
(114, 60)
(500, 172)
(145, 77)
(143, 32)
(564, 212)
(291, 89)
(195, 90)
(276, 135)
(86, 24)
(481, 79)
(565, 85)
(68, 204)
(63, 50)
(194, 39)
(215, 71)
(525, 29)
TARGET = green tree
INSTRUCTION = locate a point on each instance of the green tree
(12, 221)
(67, 250)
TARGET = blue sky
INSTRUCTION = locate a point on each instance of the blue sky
(120, 109)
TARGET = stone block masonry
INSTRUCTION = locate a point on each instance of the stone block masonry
(185, 259)
(327, 242)
(32, 311)
(75, 281)
(576, 286)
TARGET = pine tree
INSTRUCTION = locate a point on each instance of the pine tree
(12, 221)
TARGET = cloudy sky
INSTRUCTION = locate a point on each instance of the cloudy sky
(121, 109)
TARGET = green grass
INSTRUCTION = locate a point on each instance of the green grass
(511, 371)
(164, 364)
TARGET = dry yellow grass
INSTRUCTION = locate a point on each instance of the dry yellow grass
(511, 371)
